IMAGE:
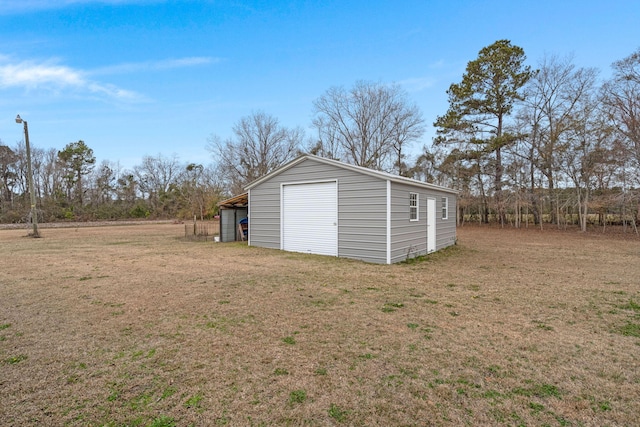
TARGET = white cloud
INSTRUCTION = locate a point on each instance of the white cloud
(185, 62)
(416, 84)
(32, 75)
(156, 65)
(54, 77)
(50, 76)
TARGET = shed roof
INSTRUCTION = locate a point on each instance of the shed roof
(359, 169)
(239, 201)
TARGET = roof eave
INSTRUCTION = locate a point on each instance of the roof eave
(360, 169)
(278, 171)
(239, 201)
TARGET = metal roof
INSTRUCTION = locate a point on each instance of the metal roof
(239, 201)
(360, 169)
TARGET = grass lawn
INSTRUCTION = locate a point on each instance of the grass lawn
(133, 325)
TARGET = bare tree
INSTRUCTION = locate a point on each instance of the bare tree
(327, 143)
(103, 181)
(155, 177)
(48, 175)
(7, 173)
(621, 99)
(259, 146)
(588, 150)
(126, 188)
(200, 190)
(552, 97)
(621, 102)
(370, 125)
(426, 166)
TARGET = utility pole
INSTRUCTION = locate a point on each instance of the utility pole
(34, 212)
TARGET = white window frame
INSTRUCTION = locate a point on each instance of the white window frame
(445, 207)
(414, 208)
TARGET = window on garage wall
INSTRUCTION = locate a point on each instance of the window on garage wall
(445, 208)
(413, 206)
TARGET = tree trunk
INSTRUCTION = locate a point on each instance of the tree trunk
(557, 211)
(498, 185)
(583, 209)
(517, 210)
(483, 209)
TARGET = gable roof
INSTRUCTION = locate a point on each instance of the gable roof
(366, 171)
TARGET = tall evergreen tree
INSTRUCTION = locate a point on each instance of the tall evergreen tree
(78, 160)
(480, 104)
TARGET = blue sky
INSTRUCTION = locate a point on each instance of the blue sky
(147, 77)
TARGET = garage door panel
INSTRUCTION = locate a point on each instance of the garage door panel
(310, 218)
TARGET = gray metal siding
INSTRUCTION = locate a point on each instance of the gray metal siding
(409, 238)
(361, 209)
(264, 216)
(362, 218)
(229, 223)
(226, 225)
(446, 229)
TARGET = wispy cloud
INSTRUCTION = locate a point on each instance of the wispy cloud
(416, 84)
(166, 64)
(54, 77)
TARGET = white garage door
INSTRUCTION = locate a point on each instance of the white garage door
(310, 218)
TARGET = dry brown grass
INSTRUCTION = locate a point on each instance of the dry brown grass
(133, 325)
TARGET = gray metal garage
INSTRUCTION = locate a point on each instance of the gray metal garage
(322, 206)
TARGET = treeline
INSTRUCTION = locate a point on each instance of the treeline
(553, 144)
(523, 145)
(69, 185)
